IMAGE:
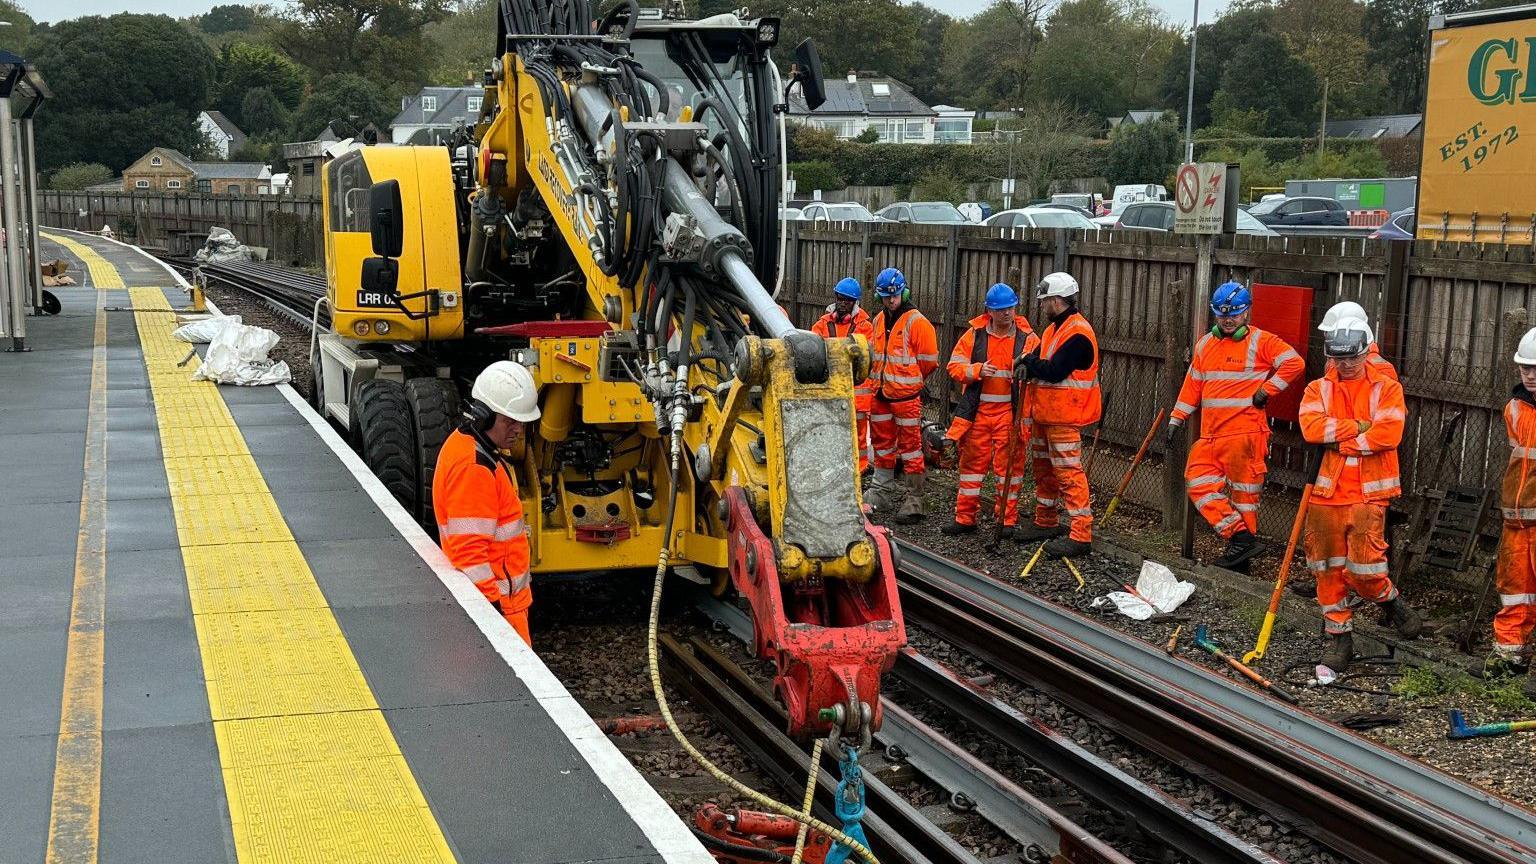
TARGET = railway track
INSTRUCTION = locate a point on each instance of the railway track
(1361, 800)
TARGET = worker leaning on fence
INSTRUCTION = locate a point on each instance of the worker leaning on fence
(474, 494)
(1357, 413)
(1063, 396)
(985, 419)
(1348, 309)
(846, 319)
(905, 350)
(1236, 368)
(1516, 580)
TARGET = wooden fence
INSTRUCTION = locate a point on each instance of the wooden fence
(288, 227)
(1447, 314)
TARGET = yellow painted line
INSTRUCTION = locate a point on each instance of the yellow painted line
(74, 820)
(103, 274)
(311, 768)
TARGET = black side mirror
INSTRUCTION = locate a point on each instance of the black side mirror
(380, 281)
(807, 71)
(384, 220)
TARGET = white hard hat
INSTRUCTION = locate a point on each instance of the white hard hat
(1354, 322)
(1350, 337)
(1056, 285)
(1525, 355)
(508, 389)
(1338, 312)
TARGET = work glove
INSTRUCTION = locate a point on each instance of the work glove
(1022, 365)
(1260, 396)
(1173, 436)
(1362, 425)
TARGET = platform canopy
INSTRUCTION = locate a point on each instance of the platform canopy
(21, 83)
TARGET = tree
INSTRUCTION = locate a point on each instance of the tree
(870, 135)
(1325, 34)
(462, 42)
(1146, 152)
(1394, 30)
(1220, 41)
(261, 112)
(352, 99)
(17, 38)
(245, 66)
(810, 176)
(1264, 77)
(121, 85)
(988, 59)
(1124, 37)
(1049, 137)
(78, 175)
(381, 40)
(228, 18)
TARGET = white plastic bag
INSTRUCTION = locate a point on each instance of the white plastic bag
(222, 246)
(1158, 585)
(202, 331)
(238, 355)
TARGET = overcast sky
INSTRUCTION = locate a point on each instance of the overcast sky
(1178, 11)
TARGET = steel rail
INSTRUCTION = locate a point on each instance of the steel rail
(1361, 799)
(1033, 823)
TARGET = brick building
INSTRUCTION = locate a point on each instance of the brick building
(164, 169)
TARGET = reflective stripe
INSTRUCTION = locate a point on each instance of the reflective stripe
(1520, 512)
(1503, 650)
(1330, 430)
(972, 478)
(459, 526)
(899, 358)
(1226, 522)
(1069, 384)
(1209, 498)
(1523, 452)
(1246, 487)
(1226, 403)
(512, 530)
(1083, 512)
(1245, 508)
(913, 456)
(902, 379)
(1204, 480)
(1279, 383)
(1066, 446)
(1006, 374)
(1066, 462)
(1184, 406)
(1363, 443)
(862, 390)
(479, 573)
(996, 397)
(1366, 569)
(931, 358)
(1341, 606)
(1351, 460)
(880, 418)
(1046, 502)
(1335, 628)
(1324, 483)
(1391, 414)
(1252, 375)
(1517, 599)
(1253, 349)
(909, 421)
(1327, 564)
(1380, 485)
(1287, 354)
(504, 586)
(957, 357)
(969, 493)
(879, 452)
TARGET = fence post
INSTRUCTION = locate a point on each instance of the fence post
(1393, 315)
(1175, 344)
(1059, 259)
(951, 310)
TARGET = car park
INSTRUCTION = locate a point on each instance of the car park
(1301, 212)
(1042, 217)
(924, 212)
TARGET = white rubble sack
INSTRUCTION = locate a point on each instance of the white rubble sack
(1157, 584)
(238, 355)
(202, 331)
(222, 246)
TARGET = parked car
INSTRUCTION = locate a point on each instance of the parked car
(1399, 226)
(1042, 217)
(1301, 211)
(1159, 216)
(843, 211)
(1091, 203)
(1057, 205)
(1135, 193)
(791, 214)
(923, 212)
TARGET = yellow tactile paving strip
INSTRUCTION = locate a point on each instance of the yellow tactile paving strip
(311, 768)
(103, 274)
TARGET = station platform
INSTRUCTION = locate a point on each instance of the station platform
(224, 640)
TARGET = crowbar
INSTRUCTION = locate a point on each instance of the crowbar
(1125, 481)
(1268, 627)
(1024, 574)
(1205, 644)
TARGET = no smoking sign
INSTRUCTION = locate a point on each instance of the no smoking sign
(1199, 198)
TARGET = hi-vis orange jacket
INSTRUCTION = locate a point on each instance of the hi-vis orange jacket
(1075, 400)
(974, 349)
(1518, 495)
(1363, 467)
(480, 521)
(905, 359)
(858, 324)
(1224, 375)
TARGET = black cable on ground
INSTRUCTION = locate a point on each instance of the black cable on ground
(1307, 680)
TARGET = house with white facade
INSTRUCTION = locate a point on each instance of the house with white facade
(869, 100)
(221, 131)
(428, 116)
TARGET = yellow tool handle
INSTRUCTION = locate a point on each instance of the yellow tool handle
(1265, 630)
(1024, 574)
(1110, 510)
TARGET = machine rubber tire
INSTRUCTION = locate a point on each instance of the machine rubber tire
(316, 388)
(434, 413)
(389, 438)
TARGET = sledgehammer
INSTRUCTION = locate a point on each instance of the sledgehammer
(1460, 731)
(1203, 642)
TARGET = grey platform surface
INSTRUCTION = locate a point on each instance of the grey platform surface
(505, 782)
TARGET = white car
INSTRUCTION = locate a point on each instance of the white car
(1041, 217)
(844, 211)
(791, 214)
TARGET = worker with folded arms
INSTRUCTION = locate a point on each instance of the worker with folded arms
(1357, 413)
(1236, 369)
(982, 364)
(1063, 395)
(904, 351)
(1516, 579)
(845, 318)
(474, 493)
(1350, 309)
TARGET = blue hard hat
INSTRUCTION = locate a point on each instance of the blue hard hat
(848, 288)
(890, 282)
(1231, 298)
(1000, 296)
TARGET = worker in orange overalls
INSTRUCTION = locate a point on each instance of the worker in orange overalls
(474, 493)
(904, 351)
(1357, 413)
(1516, 581)
(1347, 309)
(845, 318)
(982, 364)
(1236, 368)
(1063, 394)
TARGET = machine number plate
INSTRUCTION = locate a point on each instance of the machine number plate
(374, 300)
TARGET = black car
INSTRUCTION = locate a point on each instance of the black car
(1302, 211)
(1159, 216)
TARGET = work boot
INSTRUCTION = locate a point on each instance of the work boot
(1066, 547)
(881, 492)
(1402, 617)
(957, 528)
(1242, 547)
(1340, 648)
(1306, 588)
(1033, 533)
(913, 508)
(1497, 665)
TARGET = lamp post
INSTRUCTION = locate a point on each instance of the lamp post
(1189, 103)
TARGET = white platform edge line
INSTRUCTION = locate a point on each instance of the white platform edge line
(656, 819)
